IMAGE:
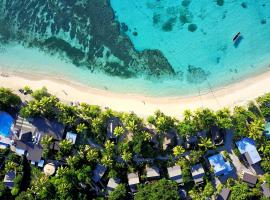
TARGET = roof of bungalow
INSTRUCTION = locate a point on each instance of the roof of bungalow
(224, 194)
(169, 139)
(175, 173)
(265, 189)
(250, 179)
(133, 179)
(34, 151)
(112, 184)
(72, 137)
(9, 179)
(152, 172)
(48, 127)
(247, 147)
(99, 172)
(197, 172)
(113, 123)
(220, 166)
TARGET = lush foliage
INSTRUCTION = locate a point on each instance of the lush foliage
(8, 99)
(162, 189)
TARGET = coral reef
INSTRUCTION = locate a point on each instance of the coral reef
(77, 30)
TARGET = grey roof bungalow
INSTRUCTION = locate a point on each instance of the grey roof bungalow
(112, 184)
(133, 181)
(197, 172)
(250, 179)
(266, 189)
(152, 173)
(99, 172)
(175, 174)
(9, 179)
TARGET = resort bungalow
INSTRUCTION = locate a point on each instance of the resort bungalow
(9, 179)
(250, 179)
(224, 194)
(219, 165)
(175, 174)
(28, 135)
(152, 173)
(112, 184)
(191, 141)
(99, 172)
(248, 148)
(217, 135)
(198, 174)
(266, 189)
(113, 123)
(133, 181)
(169, 140)
(71, 137)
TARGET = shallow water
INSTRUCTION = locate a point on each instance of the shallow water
(195, 36)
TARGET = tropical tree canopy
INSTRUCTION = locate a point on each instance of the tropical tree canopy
(161, 189)
(8, 99)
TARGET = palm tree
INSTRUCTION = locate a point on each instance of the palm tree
(126, 156)
(92, 155)
(109, 145)
(10, 166)
(131, 125)
(224, 119)
(187, 115)
(256, 129)
(178, 150)
(118, 131)
(65, 146)
(107, 160)
(206, 143)
(46, 141)
(81, 128)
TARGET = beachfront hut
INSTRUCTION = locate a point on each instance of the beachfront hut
(217, 135)
(250, 179)
(191, 141)
(28, 134)
(112, 124)
(112, 184)
(99, 172)
(224, 194)
(219, 165)
(175, 174)
(9, 179)
(198, 174)
(248, 148)
(266, 189)
(71, 137)
(133, 181)
(169, 140)
(152, 173)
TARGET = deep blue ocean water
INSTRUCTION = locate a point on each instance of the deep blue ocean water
(194, 35)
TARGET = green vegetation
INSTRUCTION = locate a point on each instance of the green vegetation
(8, 99)
(138, 144)
(162, 189)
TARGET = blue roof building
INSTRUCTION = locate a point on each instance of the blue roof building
(219, 165)
(247, 147)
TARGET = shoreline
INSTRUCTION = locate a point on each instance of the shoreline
(228, 96)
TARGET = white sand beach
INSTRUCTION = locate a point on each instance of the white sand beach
(230, 96)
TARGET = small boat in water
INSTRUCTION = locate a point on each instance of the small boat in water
(236, 37)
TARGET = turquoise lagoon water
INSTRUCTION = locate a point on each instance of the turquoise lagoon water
(195, 36)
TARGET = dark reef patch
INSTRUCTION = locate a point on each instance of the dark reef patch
(263, 21)
(168, 25)
(244, 5)
(220, 2)
(196, 75)
(186, 3)
(156, 18)
(192, 27)
(84, 32)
